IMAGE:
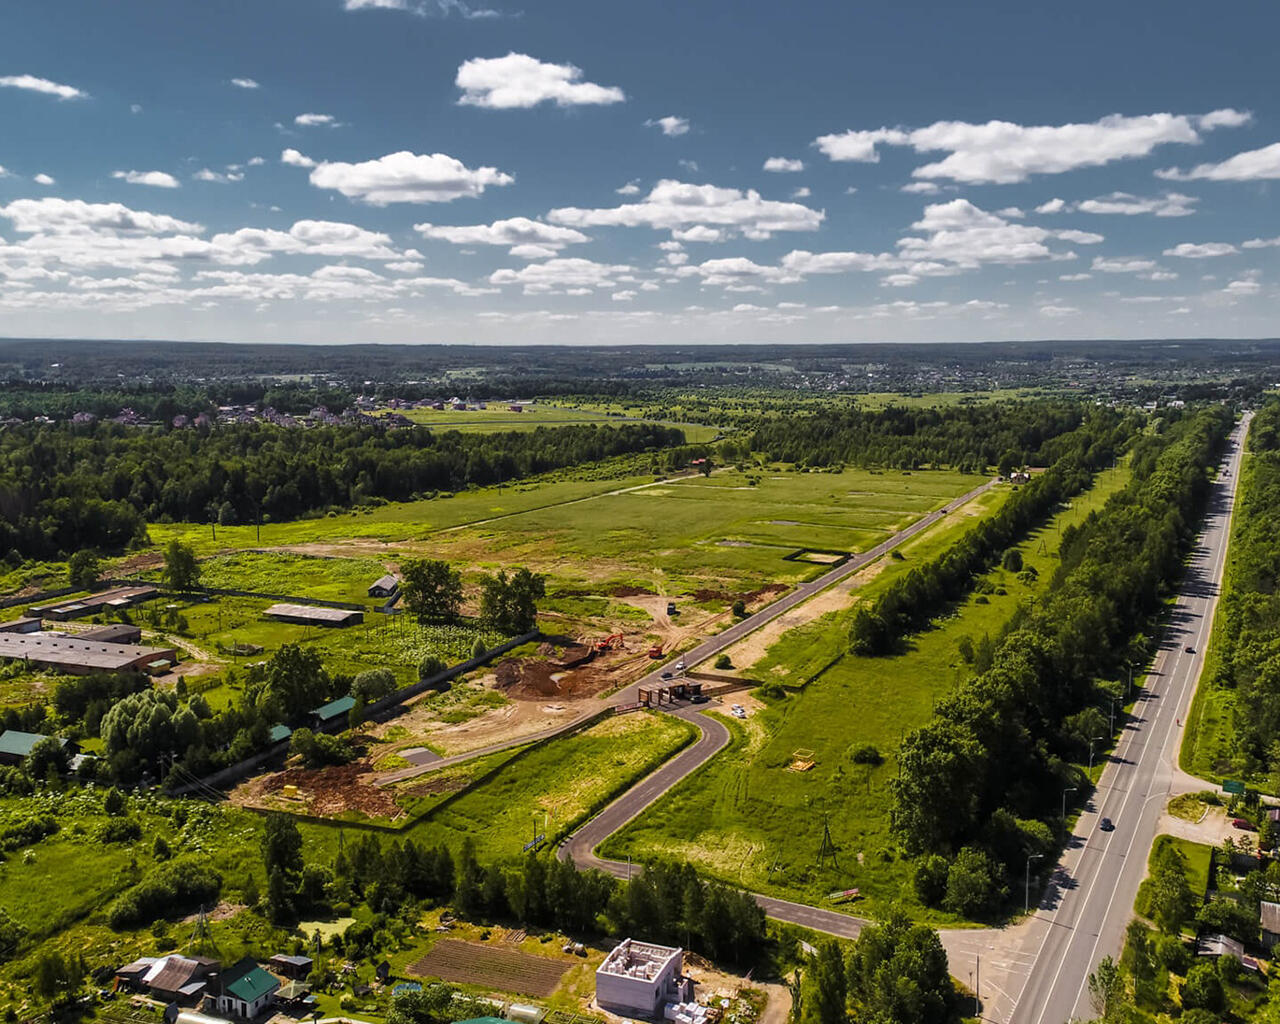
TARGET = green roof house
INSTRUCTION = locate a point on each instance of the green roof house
(16, 745)
(244, 990)
(326, 713)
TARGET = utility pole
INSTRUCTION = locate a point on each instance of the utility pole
(1069, 789)
(1027, 901)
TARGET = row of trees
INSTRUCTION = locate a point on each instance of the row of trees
(1002, 740)
(969, 438)
(1248, 635)
(63, 489)
(665, 902)
(911, 600)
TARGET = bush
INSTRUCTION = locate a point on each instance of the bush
(318, 749)
(868, 754)
(1012, 560)
(723, 662)
(1172, 952)
(975, 884)
(119, 830)
(26, 831)
(1202, 989)
(170, 890)
(740, 609)
(930, 879)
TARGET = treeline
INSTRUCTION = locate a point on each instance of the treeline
(63, 488)
(982, 780)
(665, 902)
(1248, 632)
(968, 438)
(912, 600)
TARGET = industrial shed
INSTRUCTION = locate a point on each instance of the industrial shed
(311, 615)
(80, 657)
(94, 604)
(118, 633)
(387, 586)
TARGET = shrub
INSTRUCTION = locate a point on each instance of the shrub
(868, 754)
(723, 662)
(119, 830)
(930, 879)
(169, 890)
(26, 831)
(740, 609)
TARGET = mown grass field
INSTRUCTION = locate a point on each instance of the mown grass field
(735, 527)
(556, 785)
(748, 820)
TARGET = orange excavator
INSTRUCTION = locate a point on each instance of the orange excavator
(608, 643)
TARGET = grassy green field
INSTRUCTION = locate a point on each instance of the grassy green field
(396, 643)
(324, 579)
(498, 417)
(748, 820)
(1198, 857)
(556, 785)
(735, 527)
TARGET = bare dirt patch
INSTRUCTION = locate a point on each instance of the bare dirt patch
(321, 791)
(493, 967)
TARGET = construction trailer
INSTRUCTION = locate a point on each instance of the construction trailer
(654, 696)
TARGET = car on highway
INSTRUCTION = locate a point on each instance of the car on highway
(1190, 649)
(668, 675)
(1106, 825)
(1244, 825)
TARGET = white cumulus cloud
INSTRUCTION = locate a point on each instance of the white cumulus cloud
(1002, 152)
(557, 275)
(42, 85)
(1109, 266)
(402, 177)
(315, 120)
(1252, 165)
(783, 165)
(672, 205)
(244, 83)
(670, 125)
(1200, 250)
(515, 231)
(518, 81)
(155, 179)
(44, 179)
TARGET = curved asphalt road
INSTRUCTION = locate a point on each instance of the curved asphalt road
(707, 649)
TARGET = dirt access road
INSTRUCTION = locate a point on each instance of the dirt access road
(709, 648)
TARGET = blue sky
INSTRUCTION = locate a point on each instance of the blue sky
(441, 171)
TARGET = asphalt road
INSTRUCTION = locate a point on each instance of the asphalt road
(1089, 902)
(707, 649)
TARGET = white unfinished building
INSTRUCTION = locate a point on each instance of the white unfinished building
(638, 979)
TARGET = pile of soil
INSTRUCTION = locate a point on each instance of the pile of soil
(335, 789)
(531, 679)
(752, 595)
(625, 591)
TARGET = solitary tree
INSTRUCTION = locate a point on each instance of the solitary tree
(432, 588)
(181, 570)
(82, 569)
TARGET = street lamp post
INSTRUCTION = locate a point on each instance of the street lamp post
(1091, 743)
(1027, 902)
(1069, 789)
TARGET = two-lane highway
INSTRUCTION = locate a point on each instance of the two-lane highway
(1083, 915)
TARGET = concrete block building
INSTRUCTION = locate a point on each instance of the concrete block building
(638, 979)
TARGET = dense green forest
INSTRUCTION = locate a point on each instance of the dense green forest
(981, 780)
(963, 437)
(63, 488)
